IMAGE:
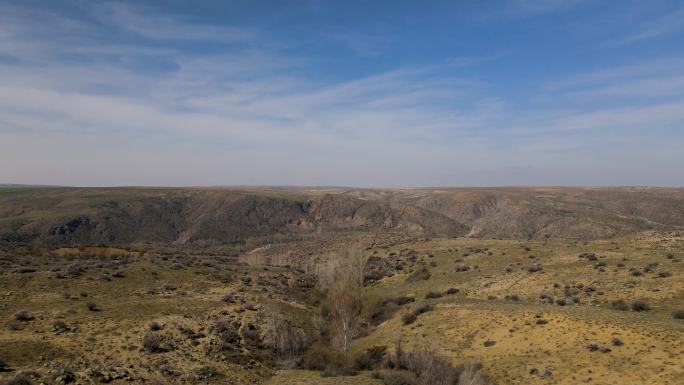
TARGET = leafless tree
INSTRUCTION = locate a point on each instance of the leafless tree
(342, 278)
(281, 335)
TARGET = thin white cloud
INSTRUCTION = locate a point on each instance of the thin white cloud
(150, 24)
(251, 114)
(516, 9)
(666, 24)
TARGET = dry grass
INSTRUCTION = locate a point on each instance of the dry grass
(534, 343)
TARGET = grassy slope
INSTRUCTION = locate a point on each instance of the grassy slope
(462, 323)
(112, 336)
(652, 352)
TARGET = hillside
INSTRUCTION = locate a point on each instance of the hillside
(123, 216)
(48, 216)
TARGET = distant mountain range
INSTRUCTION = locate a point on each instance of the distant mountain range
(122, 216)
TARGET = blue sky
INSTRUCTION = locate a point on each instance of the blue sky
(354, 93)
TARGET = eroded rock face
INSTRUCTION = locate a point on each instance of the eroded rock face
(72, 216)
(212, 217)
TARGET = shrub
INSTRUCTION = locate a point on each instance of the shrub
(92, 306)
(433, 294)
(424, 308)
(152, 343)
(380, 311)
(228, 298)
(471, 372)
(650, 266)
(640, 306)
(430, 366)
(19, 380)
(421, 274)
(620, 305)
(155, 326)
(250, 334)
(169, 286)
(451, 291)
(512, 297)
(75, 270)
(3, 366)
(592, 346)
(616, 341)
(317, 357)
(23, 315)
(679, 314)
(402, 300)
(399, 378)
(370, 358)
(546, 298)
(408, 318)
(461, 267)
(60, 327)
(226, 330)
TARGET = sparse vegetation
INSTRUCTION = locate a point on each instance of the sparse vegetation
(23, 315)
(152, 343)
(334, 303)
(620, 305)
(155, 326)
(409, 318)
(433, 294)
(640, 306)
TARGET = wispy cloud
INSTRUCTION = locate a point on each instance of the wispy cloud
(88, 106)
(544, 6)
(668, 23)
(150, 24)
(662, 79)
(517, 9)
